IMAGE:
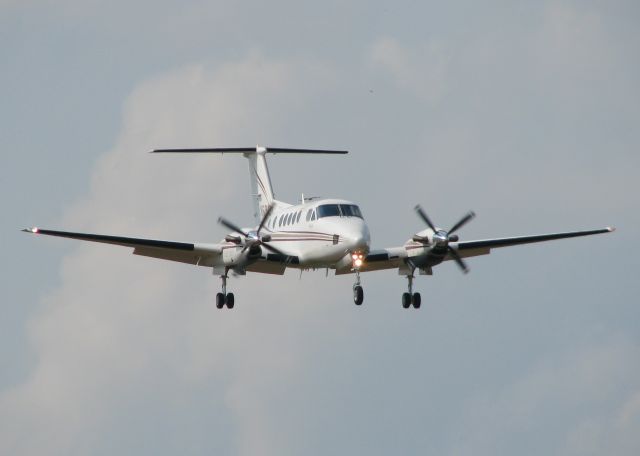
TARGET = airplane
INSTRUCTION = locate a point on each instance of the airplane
(317, 233)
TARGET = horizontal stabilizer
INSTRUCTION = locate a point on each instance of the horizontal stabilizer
(249, 150)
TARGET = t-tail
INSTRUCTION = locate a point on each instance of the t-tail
(261, 189)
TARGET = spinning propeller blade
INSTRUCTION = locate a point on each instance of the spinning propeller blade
(231, 226)
(458, 260)
(462, 222)
(424, 217)
(265, 217)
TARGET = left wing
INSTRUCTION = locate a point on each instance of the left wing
(395, 257)
(483, 247)
(183, 252)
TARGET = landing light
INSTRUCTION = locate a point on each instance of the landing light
(358, 259)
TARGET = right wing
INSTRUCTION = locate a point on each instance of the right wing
(191, 253)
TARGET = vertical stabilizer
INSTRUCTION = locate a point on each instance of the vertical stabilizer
(261, 189)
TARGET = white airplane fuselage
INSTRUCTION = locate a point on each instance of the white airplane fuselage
(321, 233)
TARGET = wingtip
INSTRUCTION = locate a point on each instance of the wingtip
(611, 229)
(31, 230)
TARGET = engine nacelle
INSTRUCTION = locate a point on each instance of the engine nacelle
(231, 256)
(234, 256)
(423, 237)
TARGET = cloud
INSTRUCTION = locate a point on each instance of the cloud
(422, 71)
(131, 355)
(122, 330)
(577, 402)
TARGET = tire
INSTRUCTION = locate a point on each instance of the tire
(231, 300)
(406, 300)
(358, 295)
(219, 300)
(416, 300)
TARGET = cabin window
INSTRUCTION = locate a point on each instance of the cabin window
(298, 217)
(328, 210)
(280, 222)
(290, 218)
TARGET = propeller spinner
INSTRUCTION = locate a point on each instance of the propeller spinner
(441, 238)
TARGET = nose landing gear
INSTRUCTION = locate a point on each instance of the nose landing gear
(409, 298)
(358, 292)
(225, 298)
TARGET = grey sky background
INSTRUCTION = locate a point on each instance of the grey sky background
(526, 112)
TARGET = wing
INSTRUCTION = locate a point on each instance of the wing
(395, 257)
(197, 254)
(483, 247)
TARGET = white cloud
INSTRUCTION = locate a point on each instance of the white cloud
(578, 402)
(119, 325)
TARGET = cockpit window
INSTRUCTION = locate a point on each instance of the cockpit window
(309, 215)
(350, 210)
(339, 210)
(328, 210)
(313, 215)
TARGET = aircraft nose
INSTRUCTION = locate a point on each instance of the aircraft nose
(358, 240)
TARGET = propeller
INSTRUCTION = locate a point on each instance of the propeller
(253, 237)
(441, 238)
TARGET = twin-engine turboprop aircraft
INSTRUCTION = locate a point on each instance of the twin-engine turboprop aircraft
(317, 233)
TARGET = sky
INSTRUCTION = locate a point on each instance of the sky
(525, 112)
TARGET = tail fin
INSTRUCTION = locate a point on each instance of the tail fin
(261, 189)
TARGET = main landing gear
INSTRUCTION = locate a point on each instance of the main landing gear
(358, 292)
(409, 298)
(224, 297)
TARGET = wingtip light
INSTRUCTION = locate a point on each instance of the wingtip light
(611, 229)
(31, 230)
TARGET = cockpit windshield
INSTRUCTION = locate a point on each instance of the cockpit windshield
(350, 210)
(328, 210)
(338, 210)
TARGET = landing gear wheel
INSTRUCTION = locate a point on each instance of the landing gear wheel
(406, 300)
(230, 300)
(358, 295)
(416, 300)
(219, 300)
